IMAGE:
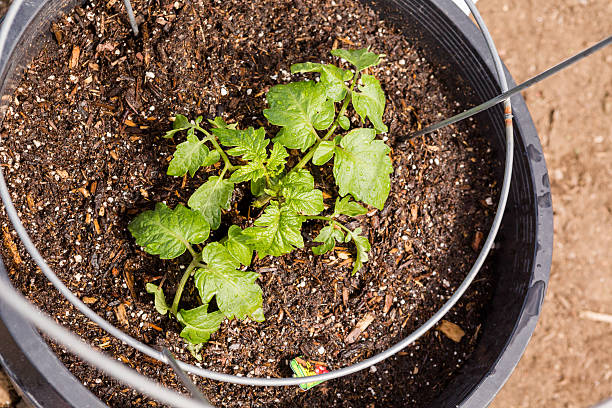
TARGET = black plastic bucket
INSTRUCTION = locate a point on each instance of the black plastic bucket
(450, 40)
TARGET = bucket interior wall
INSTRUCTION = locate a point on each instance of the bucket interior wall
(521, 260)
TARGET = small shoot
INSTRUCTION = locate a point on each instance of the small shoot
(315, 120)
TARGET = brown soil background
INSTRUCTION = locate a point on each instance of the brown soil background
(569, 360)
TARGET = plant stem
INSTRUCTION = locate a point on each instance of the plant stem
(225, 169)
(218, 148)
(330, 220)
(179, 290)
(190, 248)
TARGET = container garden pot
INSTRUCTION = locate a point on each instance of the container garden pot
(521, 261)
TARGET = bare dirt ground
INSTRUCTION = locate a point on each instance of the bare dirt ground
(569, 360)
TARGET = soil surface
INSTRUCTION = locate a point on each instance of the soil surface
(84, 154)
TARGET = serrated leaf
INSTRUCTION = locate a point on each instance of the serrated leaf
(363, 247)
(277, 160)
(362, 166)
(237, 245)
(236, 292)
(300, 108)
(167, 232)
(348, 207)
(304, 202)
(332, 77)
(249, 143)
(323, 153)
(160, 299)
(370, 102)
(180, 123)
(253, 170)
(300, 194)
(210, 198)
(328, 236)
(361, 59)
(344, 122)
(300, 180)
(216, 256)
(190, 156)
(276, 232)
(220, 123)
(199, 324)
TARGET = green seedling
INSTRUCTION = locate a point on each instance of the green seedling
(313, 119)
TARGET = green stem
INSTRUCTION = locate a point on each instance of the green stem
(179, 290)
(218, 148)
(331, 220)
(190, 248)
(225, 169)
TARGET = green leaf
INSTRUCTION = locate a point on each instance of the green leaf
(324, 152)
(277, 160)
(190, 156)
(304, 202)
(216, 256)
(160, 299)
(220, 123)
(362, 167)
(348, 207)
(300, 194)
(328, 236)
(344, 122)
(363, 247)
(180, 123)
(300, 180)
(300, 108)
(236, 292)
(253, 170)
(370, 102)
(276, 232)
(257, 187)
(237, 245)
(332, 77)
(195, 349)
(361, 59)
(199, 324)
(168, 233)
(250, 143)
(210, 198)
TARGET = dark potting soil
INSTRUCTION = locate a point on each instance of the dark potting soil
(83, 154)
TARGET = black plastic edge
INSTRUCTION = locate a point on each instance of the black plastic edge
(483, 394)
(39, 376)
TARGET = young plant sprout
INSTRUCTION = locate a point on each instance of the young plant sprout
(312, 117)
